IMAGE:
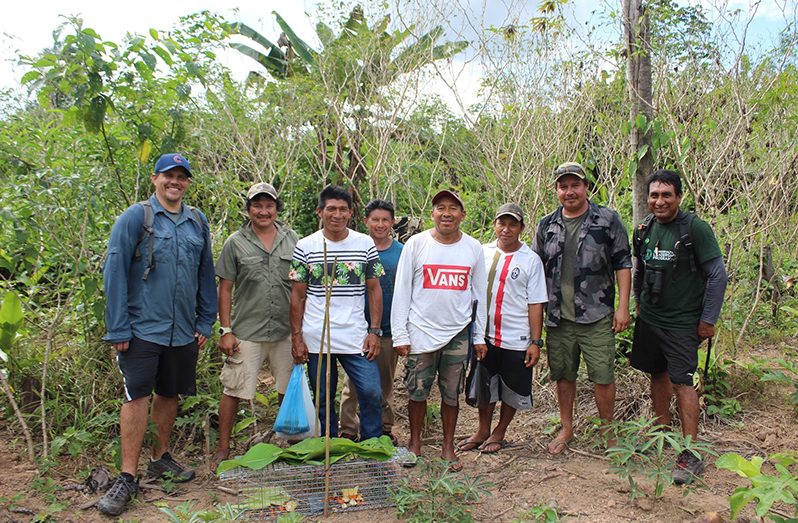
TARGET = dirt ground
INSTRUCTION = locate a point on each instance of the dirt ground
(577, 483)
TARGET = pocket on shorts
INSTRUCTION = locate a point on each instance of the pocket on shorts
(233, 375)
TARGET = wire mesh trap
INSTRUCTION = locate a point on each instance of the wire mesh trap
(357, 484)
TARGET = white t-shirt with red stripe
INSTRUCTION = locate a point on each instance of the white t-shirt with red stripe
(435, 286)
(519, 282)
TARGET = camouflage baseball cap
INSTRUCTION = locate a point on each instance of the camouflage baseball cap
(510, 209)
(570, 168)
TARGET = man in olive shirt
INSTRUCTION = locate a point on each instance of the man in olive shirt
(255, 260)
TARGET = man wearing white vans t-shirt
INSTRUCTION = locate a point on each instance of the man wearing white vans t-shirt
(441, 273)
(515, 297)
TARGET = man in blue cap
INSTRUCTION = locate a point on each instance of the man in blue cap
(160, 293)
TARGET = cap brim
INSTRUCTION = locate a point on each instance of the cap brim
(448, 194)
(170, 167)
(508, 213)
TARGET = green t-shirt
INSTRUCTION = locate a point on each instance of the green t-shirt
(681, 299)
(261, 288)
(572, 228)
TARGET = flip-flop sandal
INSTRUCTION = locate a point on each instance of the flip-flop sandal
(484, 447)
(469, 444)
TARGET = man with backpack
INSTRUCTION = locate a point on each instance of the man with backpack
(160, 293)
(679, 282)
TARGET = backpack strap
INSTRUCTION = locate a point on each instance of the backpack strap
(685, 241)
(146, 232)
(641, 233)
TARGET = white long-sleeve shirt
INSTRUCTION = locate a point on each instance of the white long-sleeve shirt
(436, 284)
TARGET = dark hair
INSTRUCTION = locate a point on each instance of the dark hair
(379, 204)
(263, 196)
(666, 177)
(334, 192)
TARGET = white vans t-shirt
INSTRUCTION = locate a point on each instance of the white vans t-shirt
(436, 284)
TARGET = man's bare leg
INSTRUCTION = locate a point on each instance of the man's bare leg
(164, 412)
(449, 422)
(605, 404)
(417, 411)
(687, 399)
(133, 425)
(566, 394)
(661, 391)
(228, 407)
(483, 429)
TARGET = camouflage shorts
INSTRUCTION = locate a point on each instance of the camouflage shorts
(448, 363)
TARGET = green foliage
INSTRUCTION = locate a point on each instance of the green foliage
(718, 389)
(643, 448)
(436, 494)
(539, 514)
(765, 489)
(185, 513)
(786, 374)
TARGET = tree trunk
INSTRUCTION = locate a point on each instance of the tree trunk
(638, 75)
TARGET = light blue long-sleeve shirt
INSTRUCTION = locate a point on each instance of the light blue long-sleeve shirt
(179, 296)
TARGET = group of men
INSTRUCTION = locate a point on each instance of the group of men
(443, 301)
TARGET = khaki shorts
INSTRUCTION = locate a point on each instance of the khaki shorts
(448, 362)
(595, 342)
(240, 372)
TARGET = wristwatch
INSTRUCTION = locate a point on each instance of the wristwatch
(538, 342)
(225, 330)
(375, 330)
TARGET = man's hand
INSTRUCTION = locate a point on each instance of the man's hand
(121, 346)
(201, 340)
(621, 320)
(532, 356)
(371, 346)
(299, 350)
(229, 344)
(402, 350)
(705, 330)
(481, 350)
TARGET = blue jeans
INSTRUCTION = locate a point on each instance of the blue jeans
(364, 375)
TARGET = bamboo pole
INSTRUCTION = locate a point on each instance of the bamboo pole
(327, 297)
(324, 326)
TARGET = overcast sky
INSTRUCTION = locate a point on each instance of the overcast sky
(26, 25)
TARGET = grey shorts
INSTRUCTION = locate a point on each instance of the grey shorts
(448, 363)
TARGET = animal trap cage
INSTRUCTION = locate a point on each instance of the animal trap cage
(279, 488)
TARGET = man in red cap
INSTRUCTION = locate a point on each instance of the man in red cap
(441, 274)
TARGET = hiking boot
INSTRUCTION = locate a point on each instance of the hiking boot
(115, 500)
(166, 466)
(688, 467)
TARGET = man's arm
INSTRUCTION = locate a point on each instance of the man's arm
(116, 272)
(535, 313)
(620, 321)
(299, 294)
(400, 306)
(371, 345)
(717, 278)
(227, 343)
(206, 292)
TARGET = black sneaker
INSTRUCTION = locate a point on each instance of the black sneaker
(115, 500)
(166, 466)
(688, 467)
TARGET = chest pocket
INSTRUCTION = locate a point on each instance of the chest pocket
(252, 267)
(284, 266)
(191, 249)
(163, 246)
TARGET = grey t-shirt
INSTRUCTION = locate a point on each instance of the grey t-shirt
(572, 227)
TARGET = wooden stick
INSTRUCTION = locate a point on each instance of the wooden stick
(327, 297)
(324, 325)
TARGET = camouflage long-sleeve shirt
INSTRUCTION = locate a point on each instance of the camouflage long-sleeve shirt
(603, 248)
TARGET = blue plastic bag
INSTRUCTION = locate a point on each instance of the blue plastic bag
(296, 417)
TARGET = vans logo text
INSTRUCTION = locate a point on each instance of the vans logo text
(449, 277)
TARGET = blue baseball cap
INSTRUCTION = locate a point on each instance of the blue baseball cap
(170, 161)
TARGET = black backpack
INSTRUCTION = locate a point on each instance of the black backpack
(146, 231)
(684, 243)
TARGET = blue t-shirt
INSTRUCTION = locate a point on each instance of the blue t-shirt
(390, 260)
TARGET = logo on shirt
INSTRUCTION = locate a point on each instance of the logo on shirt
(515, 273)
(446, 277)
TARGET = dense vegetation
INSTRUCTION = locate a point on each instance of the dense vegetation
(78, 148)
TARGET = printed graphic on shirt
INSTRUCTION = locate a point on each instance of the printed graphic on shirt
(347, 275)
(446, 277)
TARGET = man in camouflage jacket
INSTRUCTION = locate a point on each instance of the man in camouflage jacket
(585, 250)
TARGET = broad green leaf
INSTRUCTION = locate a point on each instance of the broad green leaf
(154, 33)
(739, 499)
(144, 151)
(740, 465)
(30, 76)
(10, 320)
(302, 49)
(243, 424)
